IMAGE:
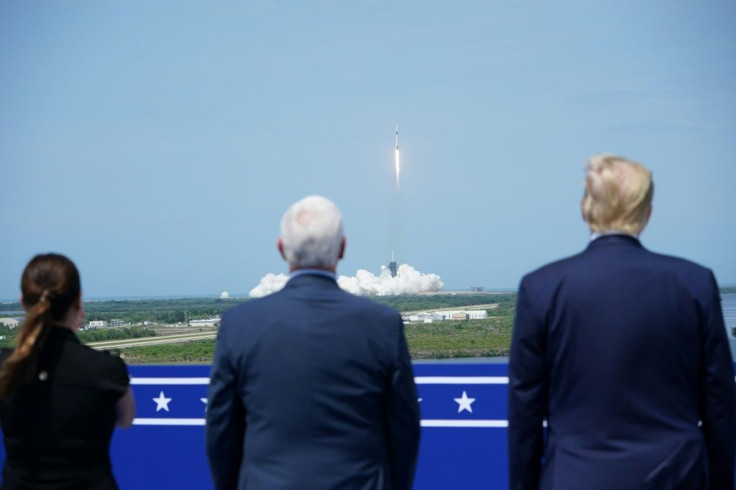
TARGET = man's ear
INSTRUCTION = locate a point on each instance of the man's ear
(649, 215)
(280, 246)
(582, 210)
(342, 249)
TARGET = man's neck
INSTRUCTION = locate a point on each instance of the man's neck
(317, 271)
(331, 270)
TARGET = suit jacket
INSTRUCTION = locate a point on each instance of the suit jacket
(312, 388)
(624, 352)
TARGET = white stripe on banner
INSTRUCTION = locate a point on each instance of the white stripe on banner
(465, 423)
(424, 423)
(420, 380)
(461, 380)
(163, 421)
(169, 381)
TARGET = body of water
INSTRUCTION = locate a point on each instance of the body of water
(729, 316)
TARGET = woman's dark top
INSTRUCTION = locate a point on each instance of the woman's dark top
(57, 429)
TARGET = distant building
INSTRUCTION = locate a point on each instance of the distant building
(438, 316)
(97, 323)
(422, 317)
(463, 314)
(206, 322)
(477, 289)
(116, 323)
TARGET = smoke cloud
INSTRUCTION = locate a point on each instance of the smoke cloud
(364, 283)
(270, 283)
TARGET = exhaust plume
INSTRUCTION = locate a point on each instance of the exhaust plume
(364, 283)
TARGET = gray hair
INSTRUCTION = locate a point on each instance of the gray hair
(311, 233)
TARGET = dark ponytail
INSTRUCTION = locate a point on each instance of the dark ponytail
(50, 286)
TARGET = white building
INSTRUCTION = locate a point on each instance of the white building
(97, 323)
(422, 317)
(439, 316)
(206, 322)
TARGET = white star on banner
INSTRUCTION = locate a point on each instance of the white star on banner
(464, 403)
(162, 402)
(204, 400)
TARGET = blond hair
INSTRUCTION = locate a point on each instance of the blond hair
(618, 195)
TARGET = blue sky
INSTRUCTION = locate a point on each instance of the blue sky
(158, 144)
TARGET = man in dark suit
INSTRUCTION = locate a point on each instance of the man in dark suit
(312, 387)
(624, 353)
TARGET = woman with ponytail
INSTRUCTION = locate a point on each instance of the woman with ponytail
(59, 400)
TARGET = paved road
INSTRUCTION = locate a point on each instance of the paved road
(161, 339)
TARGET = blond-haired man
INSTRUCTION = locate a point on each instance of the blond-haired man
(624, 353)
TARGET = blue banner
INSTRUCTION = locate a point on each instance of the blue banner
(463, 445)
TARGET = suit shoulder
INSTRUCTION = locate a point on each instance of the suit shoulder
(679, 262)
(552, 268)
(688, 272)
(249, 307)
(368, 306)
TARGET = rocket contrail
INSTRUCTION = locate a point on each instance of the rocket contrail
(396, 157)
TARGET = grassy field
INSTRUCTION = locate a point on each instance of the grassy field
(198, 352)
(438, 340)
(471, 338)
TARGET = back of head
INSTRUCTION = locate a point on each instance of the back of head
(311, 233)
(50, 282)
(50, 286)
(618, 195)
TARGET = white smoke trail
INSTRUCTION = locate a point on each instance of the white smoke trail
(364, 283)
(397, 165)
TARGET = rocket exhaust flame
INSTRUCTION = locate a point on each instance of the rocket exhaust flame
(398, 168)
(397, 160)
